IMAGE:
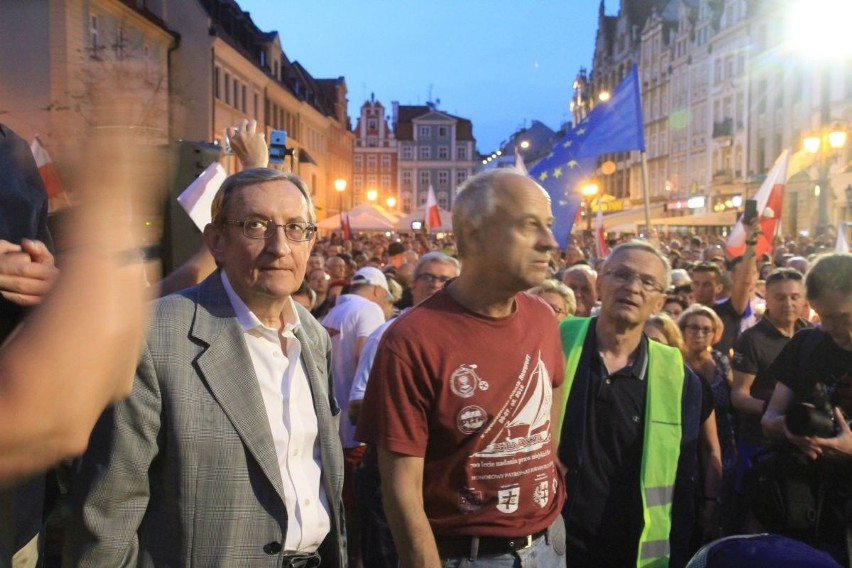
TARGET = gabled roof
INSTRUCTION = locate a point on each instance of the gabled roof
(406, 114)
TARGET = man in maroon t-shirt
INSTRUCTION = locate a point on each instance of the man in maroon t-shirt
(459, 398)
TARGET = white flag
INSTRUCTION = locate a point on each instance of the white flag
(198, 197)
(841, 245)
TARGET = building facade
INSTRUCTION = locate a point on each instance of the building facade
(435, 148)
(375, 157)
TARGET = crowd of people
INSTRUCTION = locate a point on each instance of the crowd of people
(482, 399)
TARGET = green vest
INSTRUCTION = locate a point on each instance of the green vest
(661, 448)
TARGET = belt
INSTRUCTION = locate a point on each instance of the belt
(472, 547)
(300, 560)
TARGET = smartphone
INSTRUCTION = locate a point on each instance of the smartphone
(277, 146)
(750, 211)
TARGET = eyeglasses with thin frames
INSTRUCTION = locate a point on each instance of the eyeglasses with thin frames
(432, 278)
(699, 329)
(265, 229)
(623, 276)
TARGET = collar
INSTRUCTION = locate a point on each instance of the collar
(635, 370)
(248, 321)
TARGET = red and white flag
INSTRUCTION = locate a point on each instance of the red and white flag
(345, 228)
(769, 197)
(51, 180)
(600, 235)
(433, 216)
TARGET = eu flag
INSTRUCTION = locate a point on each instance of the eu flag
(613, 126)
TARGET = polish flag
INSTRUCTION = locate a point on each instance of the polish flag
(600, 235)
(770, 197)
(345, 228)
(433, 216)
(51, 180)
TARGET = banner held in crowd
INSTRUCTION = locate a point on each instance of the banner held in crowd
(198, 197)
(613, 126)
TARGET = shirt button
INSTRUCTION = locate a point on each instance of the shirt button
(636, 419)
(608, 381)
(307, 502)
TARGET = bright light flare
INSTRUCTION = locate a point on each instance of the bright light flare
(820, 28)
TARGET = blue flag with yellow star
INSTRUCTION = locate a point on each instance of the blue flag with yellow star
(613, 126)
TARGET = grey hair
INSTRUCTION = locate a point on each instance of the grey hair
(253, 176)
(435, 256)
(580, 268)
(644, 246)
(477, 201)
(557, 287)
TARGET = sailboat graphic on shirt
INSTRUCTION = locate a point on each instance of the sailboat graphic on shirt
(528, 428)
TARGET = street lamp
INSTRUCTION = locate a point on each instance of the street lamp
(589, 191)
(824, 145)
(390, 202)
(340, 187)
(372, 195)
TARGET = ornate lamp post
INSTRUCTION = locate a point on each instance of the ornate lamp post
(825, 145)
(340, 187)
(589, 191)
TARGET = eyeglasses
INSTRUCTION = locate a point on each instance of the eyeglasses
(260, 229)
(699, 329)
(432, 278)
(624, 276)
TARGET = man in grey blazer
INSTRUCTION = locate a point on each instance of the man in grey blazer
(226, 453)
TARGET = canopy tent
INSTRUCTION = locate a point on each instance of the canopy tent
(363, 217)
(720, 219)
(419, 214)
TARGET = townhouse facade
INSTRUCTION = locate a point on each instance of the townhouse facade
(722, 95)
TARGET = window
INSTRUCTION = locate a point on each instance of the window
(386, 181)
(357, 182)
(424, 152)
(461, 176)
(358, 162)
(443, 178)
(243, 98)
(425, 131)
(406, 201)
(407, 152)
(256, 105)
(371, 163)
(443, 200)
(228, 88)
(406, 178)
(372, 142)
(386, 162)
(443, 152)
(118, 46)
(94, 36)
(371, 124)
(421, 198)
(424, 178)
(372, 180)
(461, 153)
(217, 88)
(443, 131)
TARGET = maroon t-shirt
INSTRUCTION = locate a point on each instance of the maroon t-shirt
(472, 395)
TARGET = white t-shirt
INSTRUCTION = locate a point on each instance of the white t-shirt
(351, 317)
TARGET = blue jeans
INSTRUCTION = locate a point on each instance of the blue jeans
(546, 552)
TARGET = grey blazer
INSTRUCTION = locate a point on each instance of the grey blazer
(184, 472)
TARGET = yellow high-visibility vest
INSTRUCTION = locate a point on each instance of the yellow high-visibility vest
(661, 446)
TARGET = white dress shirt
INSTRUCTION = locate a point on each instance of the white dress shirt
(276, 357)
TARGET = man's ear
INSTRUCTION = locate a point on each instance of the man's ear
(660, 303)
(214, 238)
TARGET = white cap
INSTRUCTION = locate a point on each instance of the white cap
(371, 275)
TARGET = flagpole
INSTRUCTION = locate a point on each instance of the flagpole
(645, 195)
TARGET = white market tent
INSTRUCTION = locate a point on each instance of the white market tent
(446, 226)
(363, 217)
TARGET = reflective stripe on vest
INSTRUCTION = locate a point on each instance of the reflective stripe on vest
(661, 449)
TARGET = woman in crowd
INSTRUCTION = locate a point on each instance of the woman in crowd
(558, 296)
(701, 328)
